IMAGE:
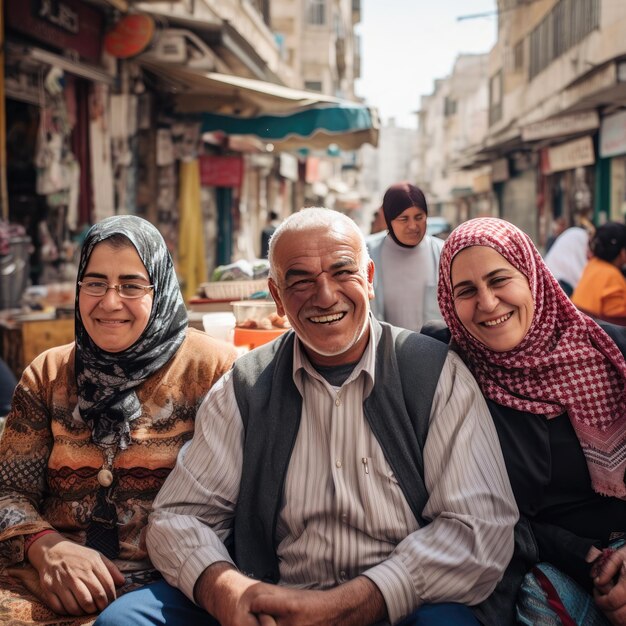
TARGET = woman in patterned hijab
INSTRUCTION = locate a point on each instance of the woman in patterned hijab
(106, 380)
(555, 382)
(94, 430)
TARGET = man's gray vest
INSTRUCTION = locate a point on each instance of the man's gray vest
(408, 366)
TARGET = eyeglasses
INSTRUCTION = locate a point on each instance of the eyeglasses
(98, 288)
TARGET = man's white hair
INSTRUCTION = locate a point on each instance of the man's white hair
(316, 218)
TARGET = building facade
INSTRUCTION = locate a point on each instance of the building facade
(452, 122)
(160, 109)
(555, 142)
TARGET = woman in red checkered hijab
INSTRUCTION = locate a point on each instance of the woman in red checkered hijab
(555, 382)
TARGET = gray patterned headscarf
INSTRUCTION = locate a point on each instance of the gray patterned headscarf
(107, 380)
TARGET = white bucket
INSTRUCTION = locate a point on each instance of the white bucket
(220, 325)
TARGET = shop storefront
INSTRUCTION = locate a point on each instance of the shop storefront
(613, 148)
(568, 182)
(57, 141)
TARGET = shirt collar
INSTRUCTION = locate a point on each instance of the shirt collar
(367, 364)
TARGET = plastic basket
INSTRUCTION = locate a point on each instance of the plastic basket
(232, 289)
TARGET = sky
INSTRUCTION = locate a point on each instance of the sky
(407, 44)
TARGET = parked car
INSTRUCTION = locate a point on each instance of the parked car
(438, 226)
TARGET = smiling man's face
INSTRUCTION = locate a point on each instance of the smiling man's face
(321, 287)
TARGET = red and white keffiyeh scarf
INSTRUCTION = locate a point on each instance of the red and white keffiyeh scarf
(566, 362)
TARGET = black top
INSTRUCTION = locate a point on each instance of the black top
(552, 487)
(551, 482)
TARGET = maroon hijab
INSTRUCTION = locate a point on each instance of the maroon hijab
(566, 362)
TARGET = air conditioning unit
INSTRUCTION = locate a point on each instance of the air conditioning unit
(170, 46)
(182, 47)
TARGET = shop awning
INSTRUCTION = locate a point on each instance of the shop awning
(288, 118)
(349, 126)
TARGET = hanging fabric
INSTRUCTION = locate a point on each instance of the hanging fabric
(191, 255)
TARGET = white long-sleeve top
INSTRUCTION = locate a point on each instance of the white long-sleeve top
(343, 513)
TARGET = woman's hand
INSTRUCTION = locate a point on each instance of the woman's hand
(74, 580)
(609, 579)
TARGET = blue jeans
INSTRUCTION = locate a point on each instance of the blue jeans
(160, 604)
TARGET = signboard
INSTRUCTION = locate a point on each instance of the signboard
(561, 126)
(221, 171)
(568, 156)
(481, 183)
(613, 135)
(64, 24)
(58, 13)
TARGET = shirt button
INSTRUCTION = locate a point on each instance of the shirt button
(342, 575)
(344, 518)
(338, 463)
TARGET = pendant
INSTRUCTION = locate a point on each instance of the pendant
(105, 477)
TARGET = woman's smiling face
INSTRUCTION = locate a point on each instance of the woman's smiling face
(492, 298)
(115, 323)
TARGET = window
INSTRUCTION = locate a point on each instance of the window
(495, 98)
(449, 107)
(316, 12)
(263, 7)
(569, 22)
(313, 85)
(518, 56)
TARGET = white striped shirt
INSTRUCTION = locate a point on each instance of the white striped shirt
(343, 513)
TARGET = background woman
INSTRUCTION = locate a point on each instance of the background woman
(406, 261)
(95, 428)
(555, 385)
(568, 256)
(601, 291)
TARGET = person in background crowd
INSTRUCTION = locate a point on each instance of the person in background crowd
(406, 261)
(313, 470)
(555, 382)
(559, 225)
(568, 256)
(94, 430)
(601, 291)
(267, 232)
(378, 222)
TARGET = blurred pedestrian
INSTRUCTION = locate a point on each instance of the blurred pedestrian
(406, 261)
(378, 222)
(559, 225)
(568, 256)
(267, 232)
(601, 291)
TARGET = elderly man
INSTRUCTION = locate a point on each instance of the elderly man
(348, 473)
